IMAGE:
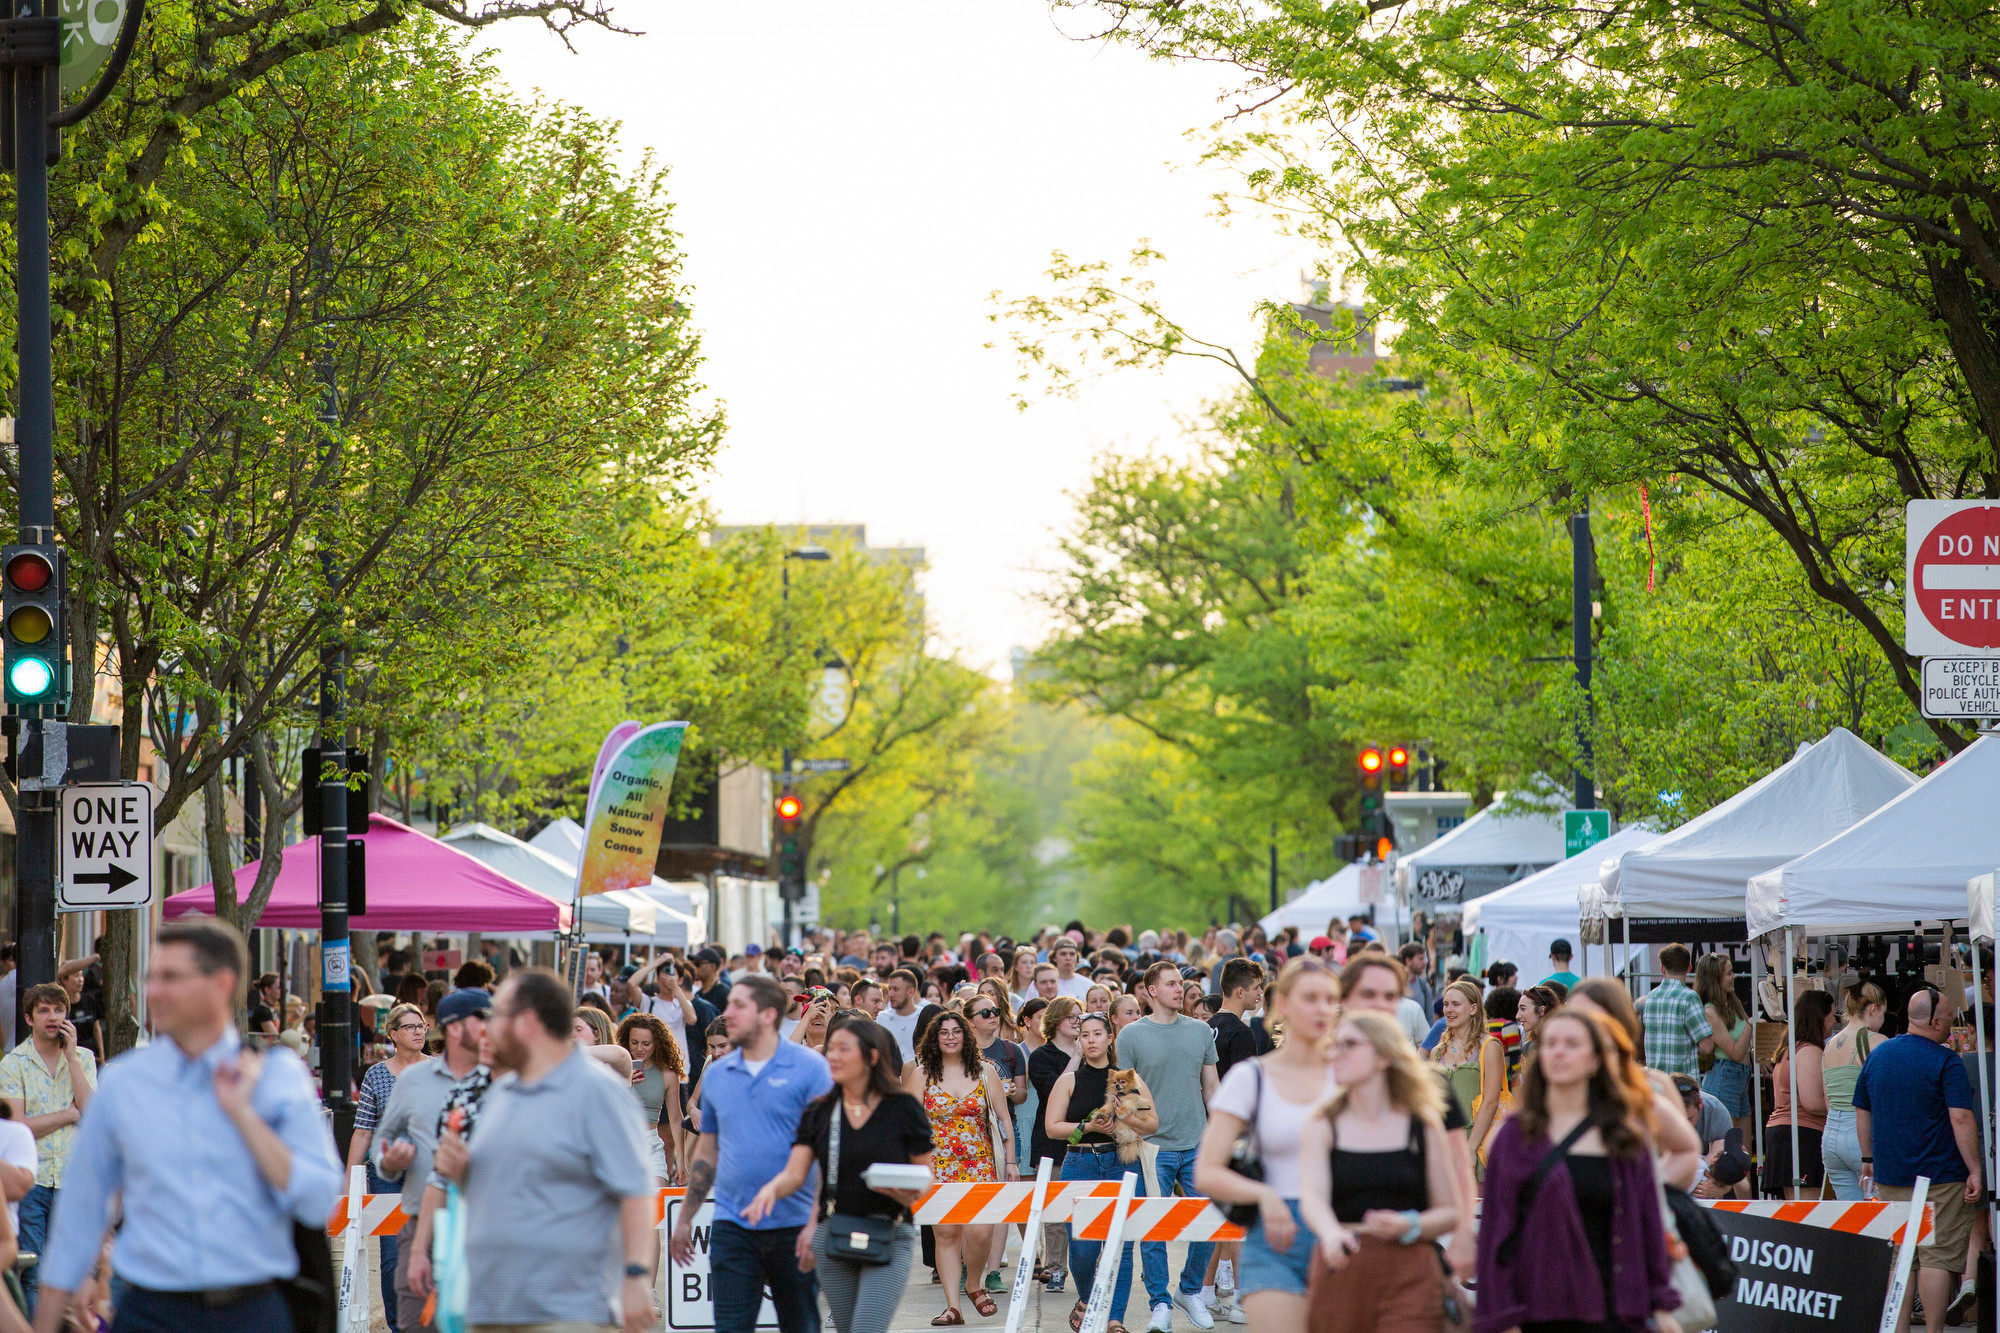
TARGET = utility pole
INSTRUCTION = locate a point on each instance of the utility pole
(790, 891)
(31, 120)
(336, 1022)
(1274, 867)
(1581, 616)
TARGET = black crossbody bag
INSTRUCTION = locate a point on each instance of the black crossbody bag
(861, 1240)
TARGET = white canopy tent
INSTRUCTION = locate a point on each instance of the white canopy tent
(1338, 895)
(1909, 861)
(1699, 869)
(1492, 849)
(1523, 919)
(563, 840)
(627, 916)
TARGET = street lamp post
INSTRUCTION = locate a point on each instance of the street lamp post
(1580, 623)
(786, 891)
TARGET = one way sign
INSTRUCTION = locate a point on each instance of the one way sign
(104, 846)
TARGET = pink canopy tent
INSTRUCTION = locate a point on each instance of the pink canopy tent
(414, 883)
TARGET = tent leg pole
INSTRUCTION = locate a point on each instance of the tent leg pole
(1792, 1059)
(1985, 1064)
(1627, 960)
(1756, 1078)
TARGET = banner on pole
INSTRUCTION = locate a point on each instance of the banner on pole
(621, 843)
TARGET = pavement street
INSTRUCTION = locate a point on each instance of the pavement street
(922, 1301)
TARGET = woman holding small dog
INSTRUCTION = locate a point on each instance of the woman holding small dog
(1103, 1113)
(972, 1126)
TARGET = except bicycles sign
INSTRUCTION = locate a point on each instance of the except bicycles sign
(1951, 589)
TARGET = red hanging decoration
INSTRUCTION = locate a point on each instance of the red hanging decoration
(1646, 508)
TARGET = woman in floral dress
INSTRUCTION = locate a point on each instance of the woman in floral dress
(957, 1088)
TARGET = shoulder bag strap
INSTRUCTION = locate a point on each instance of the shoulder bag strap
(830, 1187)
(1531, 1190)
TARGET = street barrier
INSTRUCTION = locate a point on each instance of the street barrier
(1878, 1219)
(1154, 1219)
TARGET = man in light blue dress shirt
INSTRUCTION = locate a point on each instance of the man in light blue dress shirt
(216, 1150)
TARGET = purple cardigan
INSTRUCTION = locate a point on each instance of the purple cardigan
(1552, 1275)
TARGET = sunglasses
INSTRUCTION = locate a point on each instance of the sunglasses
(986, 1013)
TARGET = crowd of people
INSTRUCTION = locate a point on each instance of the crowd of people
(1409, 1146)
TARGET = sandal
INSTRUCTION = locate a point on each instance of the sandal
(1076, 1317)
(982, 1301)
(949, 1319)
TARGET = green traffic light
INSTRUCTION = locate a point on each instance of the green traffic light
(31, 677)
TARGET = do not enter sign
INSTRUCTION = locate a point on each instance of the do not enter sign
(1951, 591)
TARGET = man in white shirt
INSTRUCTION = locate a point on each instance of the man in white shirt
(903, 1016)
(1068, 981)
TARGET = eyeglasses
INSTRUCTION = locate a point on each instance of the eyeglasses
(409, 1027)
(1352, 1044)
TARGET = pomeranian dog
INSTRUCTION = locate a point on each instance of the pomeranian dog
(1121, 1098)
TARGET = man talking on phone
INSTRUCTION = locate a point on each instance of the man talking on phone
(47, 1081)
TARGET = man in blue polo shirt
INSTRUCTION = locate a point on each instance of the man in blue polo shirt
(1915, 1116)
(751, 1102)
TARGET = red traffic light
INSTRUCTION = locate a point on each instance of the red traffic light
(1383, 847)
(1371, 760)
(790, 806)
(29, 572)
(1399, 758)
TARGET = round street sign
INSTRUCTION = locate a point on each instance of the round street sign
(89, 31)
(1952, 594)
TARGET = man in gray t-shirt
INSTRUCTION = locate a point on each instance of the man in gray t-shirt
(1175, 1054)
(556, 1181)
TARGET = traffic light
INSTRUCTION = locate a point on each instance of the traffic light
(1399, 768)
(1383, 846)
(31, 607)
(790, 849)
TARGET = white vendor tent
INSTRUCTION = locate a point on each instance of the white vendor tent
(1338, 895)
(564, 841)
(1492, 849)
(1523, 919)
(625, 916)
(1909, 861)
(1700, 869)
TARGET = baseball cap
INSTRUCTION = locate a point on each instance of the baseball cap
(708, 956)
(753, 950)
(1320, 942)
(463, 1003)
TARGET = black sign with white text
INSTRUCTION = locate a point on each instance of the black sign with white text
(1792, 1278)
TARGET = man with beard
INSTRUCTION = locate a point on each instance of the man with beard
(751, 1101)
(557, 1183)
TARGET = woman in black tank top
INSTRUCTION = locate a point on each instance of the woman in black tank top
(1077, 1107)
(1376, 1187)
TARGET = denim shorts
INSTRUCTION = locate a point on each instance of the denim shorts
(1728, 1081)
(1261, 1268)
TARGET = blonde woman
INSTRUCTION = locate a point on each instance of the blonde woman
(1472, 1059)
(1846, 1051)
(1376, 1187)
(1124, 1012)
(407, 1032)
(994, 989)
(593, 1031)
(1274, 1096)
(1097, 1000)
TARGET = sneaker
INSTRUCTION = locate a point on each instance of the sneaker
(1162, 1320)
(1194, 1308)
(1055, 1280)
(1961, 1310)
(994, 1282)
(1225, 1278)
(1236, 1313)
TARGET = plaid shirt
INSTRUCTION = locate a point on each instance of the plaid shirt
(1674, 1025)
(465, 1095)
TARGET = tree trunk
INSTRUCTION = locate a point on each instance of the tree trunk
(121, 934)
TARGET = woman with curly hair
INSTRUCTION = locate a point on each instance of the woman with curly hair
(1585, 1248)
(657, 1074)
(968, 1111)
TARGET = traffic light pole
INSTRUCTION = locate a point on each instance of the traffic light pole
(336, 1023)
(1580, 623)
(34, 435)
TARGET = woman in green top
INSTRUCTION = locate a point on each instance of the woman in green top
(1472, 1059)
(1846, 1051)
(1728, 1081)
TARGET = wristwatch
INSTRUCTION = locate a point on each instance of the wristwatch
(1413, 1226)
(638, 1270)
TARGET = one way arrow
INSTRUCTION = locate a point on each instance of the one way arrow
(113, 878)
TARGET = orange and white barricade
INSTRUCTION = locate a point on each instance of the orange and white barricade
(1876, 1217)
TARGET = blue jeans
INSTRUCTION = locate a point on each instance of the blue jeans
(1174, 1172)
(1084, 1254)
(36, 1205)
(377, 1185)
(1840, 1154)
(742, 1263)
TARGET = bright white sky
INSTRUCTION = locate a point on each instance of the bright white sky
(853, 181)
